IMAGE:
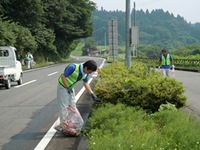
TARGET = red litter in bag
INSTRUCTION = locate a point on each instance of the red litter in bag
(73, 122)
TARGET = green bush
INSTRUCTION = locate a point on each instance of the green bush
(138, 86)
(123, 127)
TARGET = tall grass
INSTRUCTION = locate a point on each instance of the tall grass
(126, 128)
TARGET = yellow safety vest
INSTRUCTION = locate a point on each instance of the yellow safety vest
(166, 61)
(73, 78)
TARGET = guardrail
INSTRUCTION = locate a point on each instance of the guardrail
(179, 62)
(187, 62)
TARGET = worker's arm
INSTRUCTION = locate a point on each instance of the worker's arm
(88, 88)
(64, 80)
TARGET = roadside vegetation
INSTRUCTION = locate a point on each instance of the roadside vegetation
(156, 28)
(138, 86)
(140, 110)
(124, 127)
(49, 29)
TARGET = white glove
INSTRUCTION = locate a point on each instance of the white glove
(173, 66)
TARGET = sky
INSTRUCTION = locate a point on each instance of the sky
(188, 9)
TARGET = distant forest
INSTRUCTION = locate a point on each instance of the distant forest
(156, 28)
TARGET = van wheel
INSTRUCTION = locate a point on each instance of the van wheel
(7, 84)
(19, 82)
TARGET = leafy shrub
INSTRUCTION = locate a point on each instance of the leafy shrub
(167, 106)
(138, 86)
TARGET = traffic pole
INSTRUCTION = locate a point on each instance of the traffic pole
(128, 25)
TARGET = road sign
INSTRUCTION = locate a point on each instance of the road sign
(113, 36)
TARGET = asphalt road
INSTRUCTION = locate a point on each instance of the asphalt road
(191, 83)
(27, 112)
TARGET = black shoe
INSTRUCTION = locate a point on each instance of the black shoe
(58, 128)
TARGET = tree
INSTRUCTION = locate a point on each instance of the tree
(26, 12)
(90, 44)
(70, 21)
(55, 25)
(18, 36)
(156, 28)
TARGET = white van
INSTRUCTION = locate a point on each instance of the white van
(10, 66)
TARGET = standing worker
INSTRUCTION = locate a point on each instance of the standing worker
(165, 63)
(27, 60)
(31, 60)
(66, 82)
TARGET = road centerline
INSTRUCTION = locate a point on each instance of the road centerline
(52, 73)
(25, 83)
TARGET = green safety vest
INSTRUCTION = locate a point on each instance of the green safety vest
(27, 58)
(73, 78)
(166, 61)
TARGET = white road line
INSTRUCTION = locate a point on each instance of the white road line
(52, 73)
(25, 83)
(95, 74)
(47, 138)
(51, 132)
(101, 66)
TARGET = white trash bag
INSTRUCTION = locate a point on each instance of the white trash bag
(73, 122)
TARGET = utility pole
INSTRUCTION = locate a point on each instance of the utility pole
(134, 34)
(134, 14)
(128, 25)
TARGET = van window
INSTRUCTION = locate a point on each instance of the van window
(17, 55)
(4, 53)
